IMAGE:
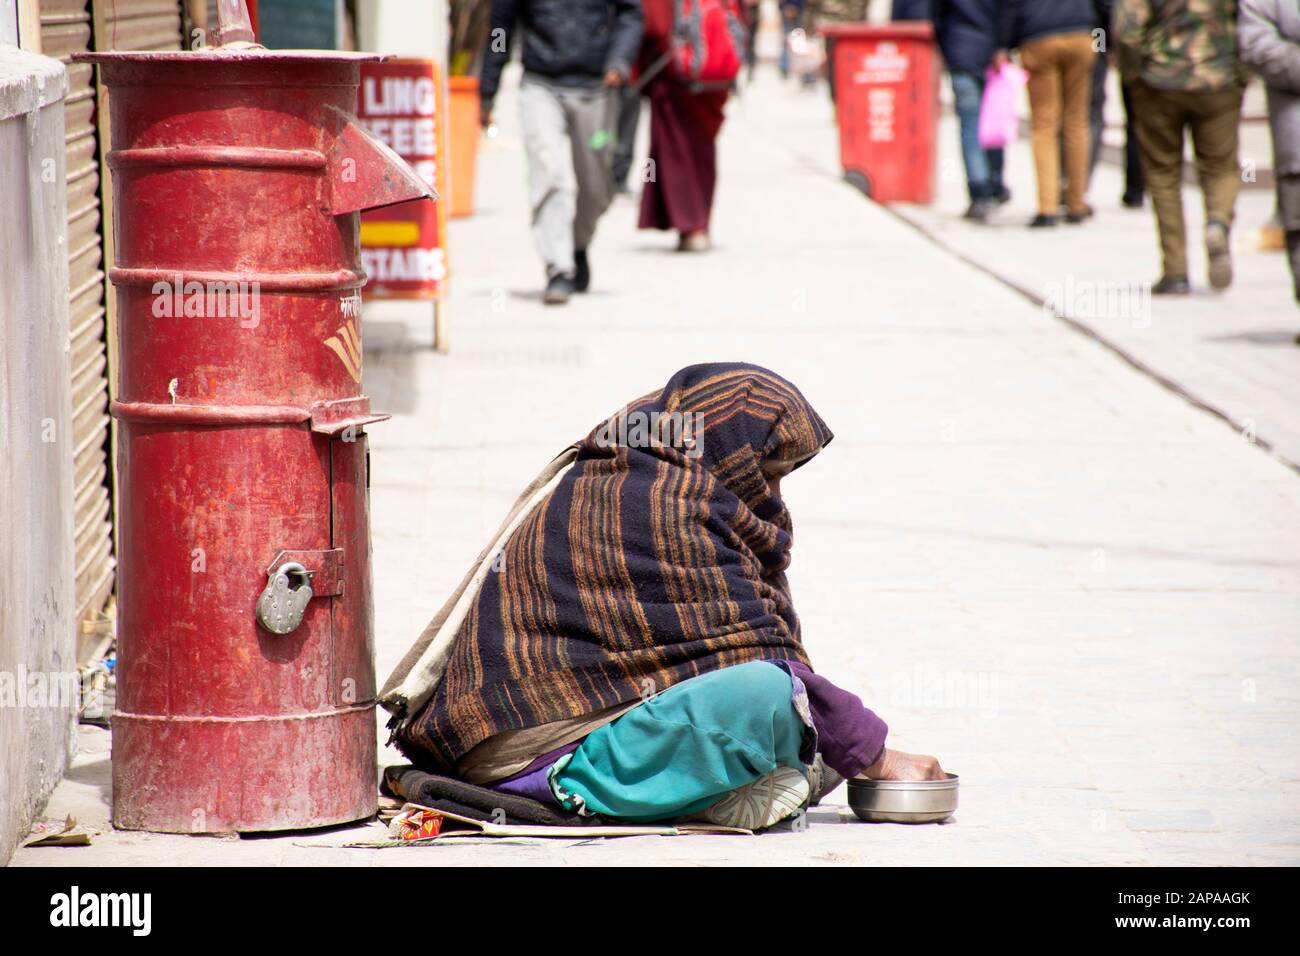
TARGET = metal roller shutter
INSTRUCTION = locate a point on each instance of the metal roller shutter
(68, 26)
(137, 24)
(65, 29)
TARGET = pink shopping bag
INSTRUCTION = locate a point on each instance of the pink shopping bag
(999, 119)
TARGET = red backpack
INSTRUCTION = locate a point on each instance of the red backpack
(709, 41)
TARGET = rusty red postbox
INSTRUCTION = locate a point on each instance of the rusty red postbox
(246, 679)
(887, 107)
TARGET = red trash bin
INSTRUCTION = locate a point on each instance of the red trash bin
(887, 99)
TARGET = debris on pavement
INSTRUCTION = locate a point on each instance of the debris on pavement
(68, 834)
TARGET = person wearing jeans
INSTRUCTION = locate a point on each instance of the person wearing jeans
(983, 166)
(967, 34)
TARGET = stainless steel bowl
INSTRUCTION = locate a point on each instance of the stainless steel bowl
(904, 801)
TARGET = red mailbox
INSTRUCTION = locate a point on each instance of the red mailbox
(246, 679)
(887, 99)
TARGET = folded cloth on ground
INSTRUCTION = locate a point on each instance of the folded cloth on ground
(477, 803)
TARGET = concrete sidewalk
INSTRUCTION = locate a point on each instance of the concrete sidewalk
(1077, 589)
(1234, 352)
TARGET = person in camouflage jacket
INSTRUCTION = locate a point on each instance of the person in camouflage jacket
(1180, 63)
(1179, 44)
(817, 12)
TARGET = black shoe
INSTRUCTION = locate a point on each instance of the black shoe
(1043, 221)
(1075, 218)
(558, 289)
(1171, 285)
(1003, 196)
(581, 271)
(1132, 200)
(980, 210)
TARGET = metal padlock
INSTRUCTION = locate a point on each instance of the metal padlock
(284, 601)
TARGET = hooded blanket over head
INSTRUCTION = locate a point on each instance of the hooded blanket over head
(660, 554)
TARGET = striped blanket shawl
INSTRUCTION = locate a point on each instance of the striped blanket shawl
(648, 553)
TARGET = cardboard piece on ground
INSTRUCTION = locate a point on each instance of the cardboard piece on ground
(469, 827)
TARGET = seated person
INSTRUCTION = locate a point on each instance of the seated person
(627, 645)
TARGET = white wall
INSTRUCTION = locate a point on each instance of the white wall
(416, 28)
(8, 22)
(37, 639)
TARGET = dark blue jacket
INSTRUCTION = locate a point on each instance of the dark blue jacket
(967, 32)
(911, 9)
(572, 42)
(1026, 20)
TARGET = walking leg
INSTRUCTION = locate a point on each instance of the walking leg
(551, 189)
(1159, 121)
(968, 92)
(1215, 120)
(1077, 65)
(589, 115)
(1288, 201)
(1045, 122)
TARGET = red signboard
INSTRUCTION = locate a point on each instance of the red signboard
(403, 247)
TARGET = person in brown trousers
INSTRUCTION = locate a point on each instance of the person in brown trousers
(1058, 49)
(1180, 59)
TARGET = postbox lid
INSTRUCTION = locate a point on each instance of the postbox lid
(227, 54)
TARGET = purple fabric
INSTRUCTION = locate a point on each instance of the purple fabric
(532, 780)
(849, 736)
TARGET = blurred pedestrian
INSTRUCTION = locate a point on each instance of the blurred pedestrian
(752, 11)
(1270, 44)
(1056, 46)
(820, 13)
(684, 122)
(575, 53)
(967, 34)
(1180, 57)
(629, 118)
(791, 14)
(1134, 182)
(1100, 73)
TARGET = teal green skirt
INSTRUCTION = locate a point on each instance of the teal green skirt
(681, 751)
